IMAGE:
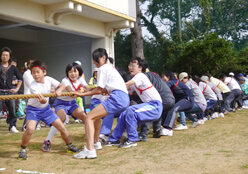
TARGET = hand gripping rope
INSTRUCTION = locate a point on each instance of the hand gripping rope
(26, 96)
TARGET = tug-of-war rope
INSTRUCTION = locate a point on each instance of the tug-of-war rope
(26, 96)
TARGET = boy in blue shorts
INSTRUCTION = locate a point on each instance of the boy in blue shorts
(148, 111)
(39, 109)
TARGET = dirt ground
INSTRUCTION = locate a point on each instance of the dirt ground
(218, 147)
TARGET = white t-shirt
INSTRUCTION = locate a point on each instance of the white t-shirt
(146, 91)
(110, 79)
(66, 82)
(232, 83)
(41, 88)
(27, 78)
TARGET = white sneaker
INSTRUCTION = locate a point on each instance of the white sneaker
(103, 138)
(38, 127)
(181, 127)
(86, 154)
(215, 115)
(194, 124)
(205, 119)
(77, 121)
(13, 129)
(221, 115)
(98, 145)
(166, 132)
(201, 121)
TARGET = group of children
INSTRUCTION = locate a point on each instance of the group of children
(143, 100)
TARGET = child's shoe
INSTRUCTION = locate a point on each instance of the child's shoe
(46, 146)
(72, 149)
(22, 154)
(98, 145)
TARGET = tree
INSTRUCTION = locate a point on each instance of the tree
(136, 35)
(210, 54)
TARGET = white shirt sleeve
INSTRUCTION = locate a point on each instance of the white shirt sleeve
(138, 79)
(66, 82)
(83, 82)
(55, 83)
(101, 77)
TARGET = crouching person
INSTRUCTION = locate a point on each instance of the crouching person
(148, 111)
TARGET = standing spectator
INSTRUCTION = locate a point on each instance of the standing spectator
(7, 72)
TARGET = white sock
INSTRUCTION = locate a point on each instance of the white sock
(51, 133)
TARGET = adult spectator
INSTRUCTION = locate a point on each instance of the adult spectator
(7, 72)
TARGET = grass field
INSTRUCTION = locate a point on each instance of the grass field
(218, 147)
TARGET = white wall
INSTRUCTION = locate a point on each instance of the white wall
(126, 7)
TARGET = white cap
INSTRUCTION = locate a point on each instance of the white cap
(204, 78)
(231, 74)
(182, 75)
(78, 62)
(95, 69)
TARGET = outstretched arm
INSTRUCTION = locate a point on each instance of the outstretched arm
(95, 91)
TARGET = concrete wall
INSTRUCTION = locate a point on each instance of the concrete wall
(57, 50)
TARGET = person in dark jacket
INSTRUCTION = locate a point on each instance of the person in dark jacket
(7, 72)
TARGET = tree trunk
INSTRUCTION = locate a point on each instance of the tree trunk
(136, 35)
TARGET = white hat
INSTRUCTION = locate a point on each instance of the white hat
(231, 74)
(204, 78)
(95, 69)
(78, 62)
(182, 75)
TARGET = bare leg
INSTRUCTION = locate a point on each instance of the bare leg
(61, 128)
(62, 115)
(79, 113)
(97, 125)
(31, 124)
(93, 117)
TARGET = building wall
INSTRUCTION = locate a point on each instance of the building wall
(57, 50)
(122, 6)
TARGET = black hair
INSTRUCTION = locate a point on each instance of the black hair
(98, 53)
(196, 78)
(7, 49)
(76, 66)
(111, 60)
(169, 74)
(221, 76)
(38, 63)
(141, 62)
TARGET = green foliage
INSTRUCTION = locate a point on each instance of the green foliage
(209, 54)
(123, 51)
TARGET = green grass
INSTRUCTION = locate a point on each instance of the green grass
(219, 146)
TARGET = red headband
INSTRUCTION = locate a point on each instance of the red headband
(39, 67)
